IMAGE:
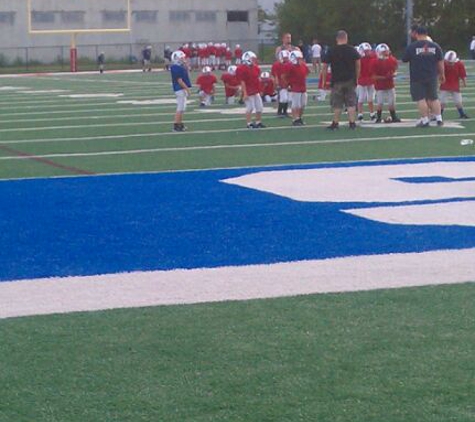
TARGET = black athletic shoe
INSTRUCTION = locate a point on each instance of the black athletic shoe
(251, 126)
(464, 116)
(352, 125)
(333, 126)
(396, 120)
(440, 123)
(297, 122)
(378, 120)
(422, 124)
(259, 125)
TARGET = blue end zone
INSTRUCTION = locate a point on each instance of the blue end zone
(109, 224)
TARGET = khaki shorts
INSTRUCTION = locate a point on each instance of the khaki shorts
(343, 94)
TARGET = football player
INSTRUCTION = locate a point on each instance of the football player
(384, 71)
(248, 75)
(365, 86)
(181, 86)
(147, 59)
(295, 76)
(454, 73)
(232, 86)
(267, 88)
(277, 70)
(206, 83)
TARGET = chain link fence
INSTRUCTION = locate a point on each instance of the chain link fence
(118, 56)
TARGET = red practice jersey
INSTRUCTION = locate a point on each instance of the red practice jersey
(277, 70)
(250, 76)
(385, 68)
(366, 76)
(267, 87)
(206, 83)
(231, 84)
(237, 53)
(453, 73)
(297, 77)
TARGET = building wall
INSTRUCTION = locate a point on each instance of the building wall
(156, 22)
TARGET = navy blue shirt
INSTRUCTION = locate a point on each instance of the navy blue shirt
(179, 72)
(423, 57)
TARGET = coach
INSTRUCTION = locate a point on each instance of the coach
(345, 66)
(426, 69)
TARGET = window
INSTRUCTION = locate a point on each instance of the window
(238, 16)
(42, 17)
(7, 18)
(72, 16)
(113, 15)
(145, 16)
(205, 16)
(179, 16)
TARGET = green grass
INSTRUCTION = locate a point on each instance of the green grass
(398, 355)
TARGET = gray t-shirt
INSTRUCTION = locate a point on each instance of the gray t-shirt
(423, 57)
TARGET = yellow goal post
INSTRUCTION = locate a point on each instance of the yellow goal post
(76, 31)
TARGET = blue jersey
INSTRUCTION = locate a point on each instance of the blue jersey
(179, 72)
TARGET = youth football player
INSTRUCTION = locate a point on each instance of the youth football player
(248, 74)
(181, 85)
(384, 71)
(267, 88)
(296, 78)
(454, 73)
(206, 83)
(232, 86)
(365, 87)
(278, 69)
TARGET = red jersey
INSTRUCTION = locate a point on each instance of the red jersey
(250, 76)
(297, 77)
(328, 81)
(385, 68)
(267, 87)
(228, 54)
(231, 84)
(277, 70)
(453, 73)
(366, 77)
(203, 52)
(212, 50)
(238, 53)
(187, 51)
(206, 83)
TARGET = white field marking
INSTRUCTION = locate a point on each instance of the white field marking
(43, 91)
(193, 148)
(367, 184)
(12, 88)
(448, 125)
(238, 111)
(98, 95)
(409, 124)
(154, 288)
(160, 101)
(461, 213)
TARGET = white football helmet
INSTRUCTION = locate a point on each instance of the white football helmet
(451, 56)
(366, 46)
(360, 50)
(283, 55)
(265, 75)
(382, 50)
(206, 69)
(232, 70)
(238, 46)
(295, 56)
(248, 58)
(178, 57)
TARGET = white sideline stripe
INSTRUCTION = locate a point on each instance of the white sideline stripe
(139, 289)
(210, 147)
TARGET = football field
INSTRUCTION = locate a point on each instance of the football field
(228, 274)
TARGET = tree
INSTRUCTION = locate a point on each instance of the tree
(449, 21)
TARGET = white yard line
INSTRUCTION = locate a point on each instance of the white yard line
(139, 289)
(212, 147)
(224, 146)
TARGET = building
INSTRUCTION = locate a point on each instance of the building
(154, 22)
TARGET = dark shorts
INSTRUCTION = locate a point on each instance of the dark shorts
(343, 94)
(424, 90)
